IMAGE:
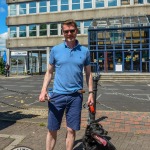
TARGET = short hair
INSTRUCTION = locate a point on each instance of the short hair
(69, 22)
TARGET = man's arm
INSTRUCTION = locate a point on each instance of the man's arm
(89, 81)
(47, 79)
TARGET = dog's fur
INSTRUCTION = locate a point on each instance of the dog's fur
(89, 141)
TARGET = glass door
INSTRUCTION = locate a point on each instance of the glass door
(136, 61)
(145, 61)
(109, 64)
(118, 61)
(101, 61)
(128, 63)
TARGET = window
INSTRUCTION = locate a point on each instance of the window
(43, 30)
(32, 30)
(75, 4)
(148, 1)
(125, 2)
(32, 7)
(22, 8)
(64, 5)
(53, 29)
(13, 10)
(112, 2)
(99, 3)
(79, 28)
(43, 6)
(138, 1)
(22, 31)
(86, 26)
(53, 5)
(87, 4)
(13, 32)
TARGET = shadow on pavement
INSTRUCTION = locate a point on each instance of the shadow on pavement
(78, 145)
(11, 117)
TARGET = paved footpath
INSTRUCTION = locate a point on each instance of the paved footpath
(33, 136)
(27, 127)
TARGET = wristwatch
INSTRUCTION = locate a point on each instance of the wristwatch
(91, 92)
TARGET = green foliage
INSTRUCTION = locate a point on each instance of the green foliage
(2, 66)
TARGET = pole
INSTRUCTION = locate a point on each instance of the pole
(95, 82)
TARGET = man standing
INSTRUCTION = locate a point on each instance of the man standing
(7, 67)
(68, 59)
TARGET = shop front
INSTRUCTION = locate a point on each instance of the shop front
(120, 48)
(28, 62)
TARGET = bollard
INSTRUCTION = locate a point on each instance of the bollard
(95, 82)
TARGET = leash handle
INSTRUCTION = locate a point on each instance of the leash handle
(89, 107)
(92, 109)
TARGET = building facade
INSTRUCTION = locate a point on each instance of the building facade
(34, 27)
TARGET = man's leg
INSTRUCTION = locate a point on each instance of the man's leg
(51, 140)
(73, 118)
(70, 138)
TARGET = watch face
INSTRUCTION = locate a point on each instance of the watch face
(22, 148)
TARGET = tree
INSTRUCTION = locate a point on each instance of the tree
(2, 66)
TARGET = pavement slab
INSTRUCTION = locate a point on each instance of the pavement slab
(33, 135)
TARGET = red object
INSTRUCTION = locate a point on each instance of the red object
(92, 109)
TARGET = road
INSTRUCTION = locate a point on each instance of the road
(16, 93)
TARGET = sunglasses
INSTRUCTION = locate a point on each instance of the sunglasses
(67, 31)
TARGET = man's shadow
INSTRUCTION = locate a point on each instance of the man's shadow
(8, 118)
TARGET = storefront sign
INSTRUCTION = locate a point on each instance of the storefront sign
(21, 53)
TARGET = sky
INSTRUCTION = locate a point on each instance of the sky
(3, 27)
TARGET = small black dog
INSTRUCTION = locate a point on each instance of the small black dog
(96, 138)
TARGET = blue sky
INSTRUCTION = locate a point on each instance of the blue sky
(3, 27)
(3, 15)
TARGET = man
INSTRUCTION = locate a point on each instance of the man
(7, 67)
(68, 58)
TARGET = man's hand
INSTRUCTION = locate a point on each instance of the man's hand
(90, 99)
(43, 96)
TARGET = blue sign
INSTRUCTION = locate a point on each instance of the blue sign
(5, 57)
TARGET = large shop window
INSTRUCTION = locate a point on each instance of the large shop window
(32, 30)
(64, 5)
(22, 8)
(53, 5)
(99, 3)
(53, 29)
(22, 31)
(13, 32)
(43, 6)
(87, 4)
(43, 29)
(13, 10)
(32, 7)
(75, 4)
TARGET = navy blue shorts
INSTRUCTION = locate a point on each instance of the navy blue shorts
(71, 104)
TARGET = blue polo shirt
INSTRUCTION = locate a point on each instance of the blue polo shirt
(69, 65)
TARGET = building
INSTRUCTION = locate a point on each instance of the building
(35, 26)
